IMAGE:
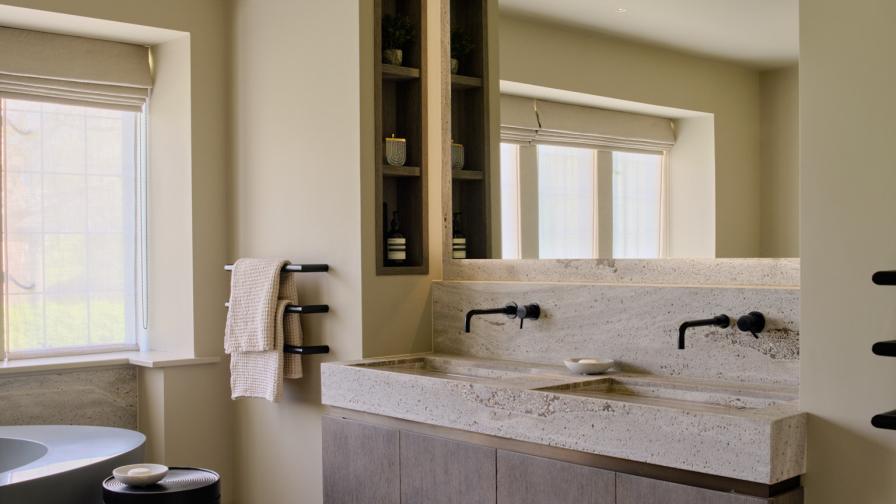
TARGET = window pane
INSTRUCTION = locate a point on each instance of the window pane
(69, 238)
(637, 181)
(510, 201)
(566, 202)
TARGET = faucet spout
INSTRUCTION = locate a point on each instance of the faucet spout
(509, 310)
(718, 320)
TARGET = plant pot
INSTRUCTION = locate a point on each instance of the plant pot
(393, 56)
(455, 65)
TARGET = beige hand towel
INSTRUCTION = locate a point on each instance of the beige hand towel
(292, 326)
(254, 290)
(260, 374)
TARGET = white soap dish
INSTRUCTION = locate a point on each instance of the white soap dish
(139, 475)
(588, 365)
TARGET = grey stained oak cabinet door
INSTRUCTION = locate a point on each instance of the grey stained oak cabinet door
(436, 470)
(527, 479)
(360, 463)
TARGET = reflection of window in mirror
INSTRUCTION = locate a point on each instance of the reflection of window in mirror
(564, 202)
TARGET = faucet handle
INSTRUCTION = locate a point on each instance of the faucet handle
(529, 311)
(753, 323)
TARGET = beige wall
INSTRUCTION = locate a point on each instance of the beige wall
(303, 189)
(780, 158)
(297, 194)
(847, 78)
(539, 53)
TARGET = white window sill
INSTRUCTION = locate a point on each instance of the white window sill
(150, 359)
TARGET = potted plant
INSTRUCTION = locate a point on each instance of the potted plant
(397, 32)
(461, 45)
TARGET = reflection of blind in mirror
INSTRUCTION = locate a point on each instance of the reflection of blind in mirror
(566, 202)
(510, 201)
(637, 185)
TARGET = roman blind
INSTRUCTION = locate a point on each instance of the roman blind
(74, 70)
(530, 120)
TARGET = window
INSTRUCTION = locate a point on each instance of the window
(71, 227)
(637, 186)
(510, 201)
(567, 202)
(569, 207)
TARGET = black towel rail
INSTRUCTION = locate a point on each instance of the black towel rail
(887, 349)
(322, 308)
(297, 268)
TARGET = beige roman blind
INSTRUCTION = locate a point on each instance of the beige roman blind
(68, 69)
(519, 120)
(550, 122)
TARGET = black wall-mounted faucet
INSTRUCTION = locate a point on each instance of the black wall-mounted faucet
(753, 323)
(512, 310)
(718, 320)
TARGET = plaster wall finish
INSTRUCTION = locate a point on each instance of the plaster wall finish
(847, 77)
(105, 396)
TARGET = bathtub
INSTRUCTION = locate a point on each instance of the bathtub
(51, 464)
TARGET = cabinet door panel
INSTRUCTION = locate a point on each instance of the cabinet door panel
(637, 490)
(442, 471)
(360, 463)
(526, 479)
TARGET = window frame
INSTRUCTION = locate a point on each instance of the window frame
(140, 280)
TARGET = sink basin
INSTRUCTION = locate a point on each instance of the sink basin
(462, 369)
(676, 393)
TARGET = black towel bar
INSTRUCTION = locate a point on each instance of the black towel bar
(885, 420)
(884, 348)
(313, 308)
(306, 350)
(296, 268)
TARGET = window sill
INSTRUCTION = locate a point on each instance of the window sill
(150, 359)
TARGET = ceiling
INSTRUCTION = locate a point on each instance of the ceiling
(758, 33)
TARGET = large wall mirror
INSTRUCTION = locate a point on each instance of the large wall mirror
(624, 129)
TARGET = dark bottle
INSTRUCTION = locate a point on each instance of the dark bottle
(396, 243)
(458, 240)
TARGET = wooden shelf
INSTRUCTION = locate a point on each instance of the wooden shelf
(467, 175)
(395, 72)
(459, 82)
(400, 110)
(401, 171)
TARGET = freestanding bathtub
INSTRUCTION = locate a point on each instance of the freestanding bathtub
(50, 464)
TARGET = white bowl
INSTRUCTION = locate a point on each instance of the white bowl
(588, 365)
(140, 474)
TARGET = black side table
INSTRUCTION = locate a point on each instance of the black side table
(182, 485)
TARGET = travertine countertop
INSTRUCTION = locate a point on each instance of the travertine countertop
(749, 432)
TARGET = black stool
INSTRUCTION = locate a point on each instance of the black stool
(182, 485)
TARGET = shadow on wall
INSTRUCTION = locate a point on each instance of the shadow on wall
(835, 443)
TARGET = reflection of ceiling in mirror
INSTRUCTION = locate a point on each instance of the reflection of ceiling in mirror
(760, 33)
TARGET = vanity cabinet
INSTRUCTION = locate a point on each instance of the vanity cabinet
(436, 470)
(360, 463)
(527, 479)
(369, 463)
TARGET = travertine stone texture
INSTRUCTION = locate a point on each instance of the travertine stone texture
(635, 325)
(765, 443)
(106, 397)
(743, 272)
